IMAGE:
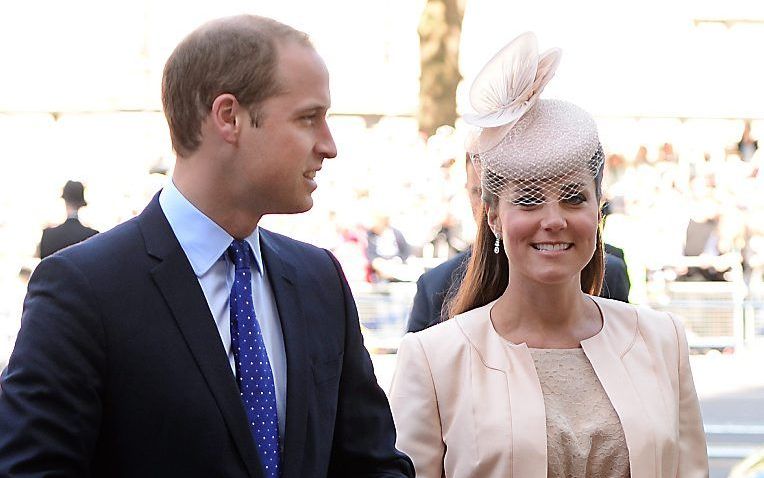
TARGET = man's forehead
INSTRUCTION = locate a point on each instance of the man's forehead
(292, 57)
(302, 75)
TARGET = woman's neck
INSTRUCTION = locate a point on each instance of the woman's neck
(546, 316)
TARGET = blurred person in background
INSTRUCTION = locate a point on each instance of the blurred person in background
(387, 250)
(70, 231)
(533, 375)
(448, 238)
(747, 146)
(188, 341)
(435, 285)
(616, 283)
(615, 167)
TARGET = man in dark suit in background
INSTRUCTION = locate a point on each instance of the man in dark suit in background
(441, 282)
(436, 286)
(188, 341)
(70, 231)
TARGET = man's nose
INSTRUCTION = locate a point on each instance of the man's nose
(325, 146)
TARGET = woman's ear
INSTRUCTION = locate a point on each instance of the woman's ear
(492, 211)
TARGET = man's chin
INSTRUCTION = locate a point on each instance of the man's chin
(296, 208)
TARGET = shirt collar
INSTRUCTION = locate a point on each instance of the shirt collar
(203, 241)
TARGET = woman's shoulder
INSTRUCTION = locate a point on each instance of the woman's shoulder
(443, 332)
(447, 336)
(649, 323)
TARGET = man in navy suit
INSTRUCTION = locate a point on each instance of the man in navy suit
(146, 350)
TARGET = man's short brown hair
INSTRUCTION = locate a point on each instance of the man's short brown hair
(236, 55)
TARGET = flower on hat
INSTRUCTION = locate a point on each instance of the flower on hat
(507, 87)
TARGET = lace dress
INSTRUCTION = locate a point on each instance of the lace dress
(584, 435)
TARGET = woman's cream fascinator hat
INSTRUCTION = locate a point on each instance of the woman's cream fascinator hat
(530, 150)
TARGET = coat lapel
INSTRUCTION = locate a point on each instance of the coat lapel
(177, 283)
(606, 351)
(527, 416)
(284, 282)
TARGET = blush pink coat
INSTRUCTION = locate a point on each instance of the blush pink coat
(467, 404)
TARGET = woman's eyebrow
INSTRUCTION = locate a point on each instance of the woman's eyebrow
(572, 188)
(528, 189)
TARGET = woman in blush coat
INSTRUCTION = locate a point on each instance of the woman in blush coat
(534, 376)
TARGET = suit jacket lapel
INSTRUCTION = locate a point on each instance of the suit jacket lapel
(284, 282)
(176, 281)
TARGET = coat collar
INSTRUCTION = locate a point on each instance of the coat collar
(478, 329)
(606, 352)
(619, 329)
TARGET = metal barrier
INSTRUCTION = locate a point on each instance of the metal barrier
(712, 312)
(716, 315)
(754, 321)
(383, 310)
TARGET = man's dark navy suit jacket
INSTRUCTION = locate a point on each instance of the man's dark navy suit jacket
(119, 370)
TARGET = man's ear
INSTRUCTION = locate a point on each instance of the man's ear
(224, 117)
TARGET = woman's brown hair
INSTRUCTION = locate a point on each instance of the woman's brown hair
(487, 274)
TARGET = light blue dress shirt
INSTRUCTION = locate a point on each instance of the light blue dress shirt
(205, 244)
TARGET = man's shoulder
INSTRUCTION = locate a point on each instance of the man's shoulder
(614, 263)
(289, 245)
(118, 242)
(77, 229)
(310, 263)
(613, 250)
(55, 230)
(440, 277)
(610, 257)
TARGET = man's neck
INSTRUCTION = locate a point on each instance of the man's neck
(72, 212)
(213, 203)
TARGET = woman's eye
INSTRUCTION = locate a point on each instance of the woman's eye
(576, 199)
(527, 200)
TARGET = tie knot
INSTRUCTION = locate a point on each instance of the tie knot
(239, 254)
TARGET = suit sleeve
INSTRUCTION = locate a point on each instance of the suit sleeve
(51, 392)
(693, 456)
(421, 313)
(364, 435)
(415, 409)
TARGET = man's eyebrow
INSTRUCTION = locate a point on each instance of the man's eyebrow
(313, 108)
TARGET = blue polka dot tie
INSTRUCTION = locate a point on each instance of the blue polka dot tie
(253, 370)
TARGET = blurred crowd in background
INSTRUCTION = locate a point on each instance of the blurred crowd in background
(683, 170)
(393, 204)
